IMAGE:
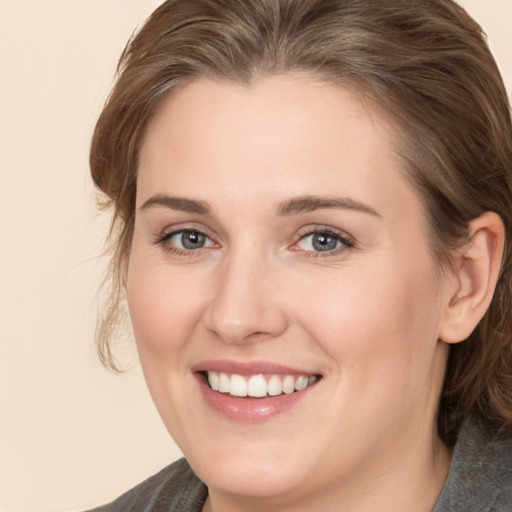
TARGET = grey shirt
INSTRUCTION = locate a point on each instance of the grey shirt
(480, 476)
(479, 480)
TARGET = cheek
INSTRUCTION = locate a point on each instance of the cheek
(380, 337)
(376, 325)
(164, 307)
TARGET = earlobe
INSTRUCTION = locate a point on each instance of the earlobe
(477, 272)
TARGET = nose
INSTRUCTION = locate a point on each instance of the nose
(244, 307)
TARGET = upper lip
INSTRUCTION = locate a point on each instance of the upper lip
(248, 367)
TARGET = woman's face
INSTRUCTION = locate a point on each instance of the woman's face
(277, 244)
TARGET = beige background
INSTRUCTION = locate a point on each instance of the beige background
(71, 434)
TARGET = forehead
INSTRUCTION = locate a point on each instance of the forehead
(281, 135)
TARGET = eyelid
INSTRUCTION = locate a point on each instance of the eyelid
(208, 241)
(163, 236)
(171, 230)
(346, 239)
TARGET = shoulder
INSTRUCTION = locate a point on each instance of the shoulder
(176, 487)
(480, 477)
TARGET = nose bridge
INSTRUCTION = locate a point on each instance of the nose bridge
(244, 307)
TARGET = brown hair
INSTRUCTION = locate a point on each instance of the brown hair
(424, 62)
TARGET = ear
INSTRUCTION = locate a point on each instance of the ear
(477, 271)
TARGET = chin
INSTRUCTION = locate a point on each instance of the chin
(250, 478)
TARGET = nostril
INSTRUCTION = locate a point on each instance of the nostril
(243, 311)
(258, 336)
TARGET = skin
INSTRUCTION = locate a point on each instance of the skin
(366, 316)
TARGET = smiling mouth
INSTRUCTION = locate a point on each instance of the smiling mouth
(258, 386)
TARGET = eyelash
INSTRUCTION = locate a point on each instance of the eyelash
(164, 238)
(346, 241)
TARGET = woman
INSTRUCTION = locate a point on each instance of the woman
(313, 214)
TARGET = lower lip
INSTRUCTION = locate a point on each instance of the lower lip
(248, 409)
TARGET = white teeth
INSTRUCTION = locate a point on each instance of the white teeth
(237, 386)
(289, 384)
(301, 383)
(257, 385)
(275, 386)
(223, 383)
(213, 380)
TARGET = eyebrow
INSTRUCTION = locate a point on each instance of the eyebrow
(304, 204)
(177, 203)
(297, 205)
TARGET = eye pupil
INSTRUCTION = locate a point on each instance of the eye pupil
(323, 242)
(192, 240)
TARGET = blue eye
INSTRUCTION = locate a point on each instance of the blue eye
(322, 242)
(188, 240)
